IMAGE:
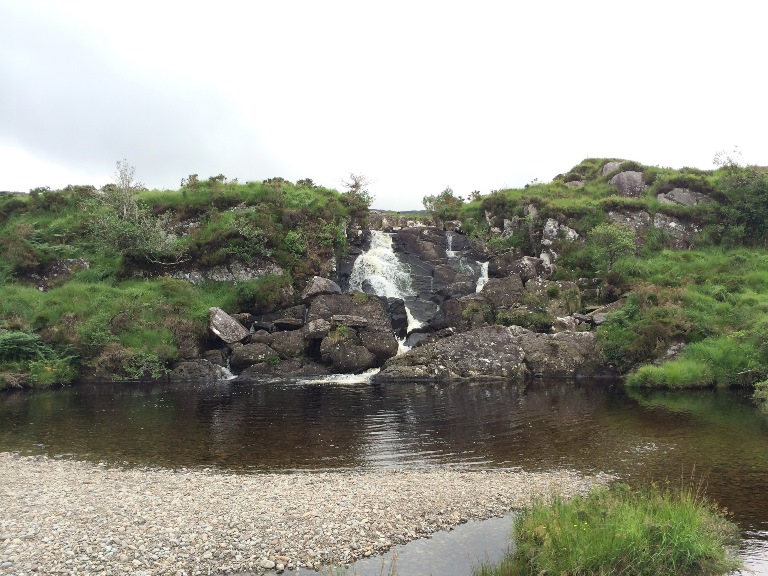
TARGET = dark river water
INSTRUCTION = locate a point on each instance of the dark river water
(715, 436)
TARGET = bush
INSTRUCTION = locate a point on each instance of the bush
(623, 531)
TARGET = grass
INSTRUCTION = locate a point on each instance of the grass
(622, 531)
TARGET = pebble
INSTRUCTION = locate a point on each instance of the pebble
(67, 517)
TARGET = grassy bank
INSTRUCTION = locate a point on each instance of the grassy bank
(622, 531)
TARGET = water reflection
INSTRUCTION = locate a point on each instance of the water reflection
(292, 425)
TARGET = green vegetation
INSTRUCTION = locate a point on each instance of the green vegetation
(84, 272)
(622, 531)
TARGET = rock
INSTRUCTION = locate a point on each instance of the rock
(456, 290)
(262, 336)
(503, 292)
(235, 272)
(318, 286)
(244, 355)
(348, 320)
(576, 183)
(382, 345)
(288, 323)
(600, 315)
(398, 316)
(490, 351)
(370, 308)
(680, 234)
(291, 344)
(195, 371)
(267, 564)
(226, 327)
(462, 314)
(283, 368)
(639, 221)
(565, 323)
(629, 184)
(452, 226)
(528, 267)
(345, 355)
(609, 167)
(218, 357)
(317, 329)
(565, 354)
(683, 197)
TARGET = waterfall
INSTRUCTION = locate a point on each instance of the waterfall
(449, 251)
(380, 268)
(483, 276)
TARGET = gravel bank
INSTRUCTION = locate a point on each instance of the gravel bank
(69, 517)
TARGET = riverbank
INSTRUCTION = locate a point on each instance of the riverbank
(70, 517)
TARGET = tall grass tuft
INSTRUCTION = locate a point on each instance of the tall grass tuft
(670, 530)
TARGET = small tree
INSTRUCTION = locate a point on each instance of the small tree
(443, 206)
(611, 241)
(357, 187)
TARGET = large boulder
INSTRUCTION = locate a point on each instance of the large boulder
(529, 267)
(564, 354)
(345, 355)
(244, 355)
(226, 327)
(290, 344)
(629, 183)
(683, 197)
(318, 286)
(490, 351)
(611, 166)
(680, 233)
(499, 352)
(196, 371)
(282, 369)
(503, 292)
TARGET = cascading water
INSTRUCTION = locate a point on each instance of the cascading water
(385, 274)
(483, 276)
(449, 251)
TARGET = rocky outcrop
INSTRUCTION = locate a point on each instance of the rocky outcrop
(490, 351)
(562, 355)
(609, 167)
(283, 368)
(359, 334)
(682, 197)
(235, 272)
(225, 327)
(503, 292)
(318, 286)
(245, 355)
(196, 371)
(679, 233)
(499, 352)
(629, 184)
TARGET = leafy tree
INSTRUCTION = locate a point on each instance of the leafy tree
(611, 240)
(119, 220)
(443, 206)
(746, 190)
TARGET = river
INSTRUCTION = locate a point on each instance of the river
(717, 438)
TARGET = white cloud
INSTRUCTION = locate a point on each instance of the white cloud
(416, 95)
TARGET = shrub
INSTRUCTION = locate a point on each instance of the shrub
(623, 531)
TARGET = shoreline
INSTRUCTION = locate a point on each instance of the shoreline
(74, 517)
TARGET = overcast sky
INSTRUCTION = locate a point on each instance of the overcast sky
(415, 95)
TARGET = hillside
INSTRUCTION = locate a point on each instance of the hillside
(117, 282)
